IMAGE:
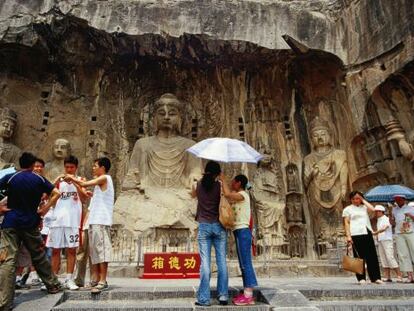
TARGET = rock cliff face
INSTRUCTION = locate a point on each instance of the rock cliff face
(89, 71)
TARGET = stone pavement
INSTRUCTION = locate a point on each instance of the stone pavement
(279, 294)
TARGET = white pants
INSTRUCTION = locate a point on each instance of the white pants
(386, 252)
(405, 251)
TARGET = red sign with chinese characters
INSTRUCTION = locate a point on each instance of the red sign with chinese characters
(171, 265)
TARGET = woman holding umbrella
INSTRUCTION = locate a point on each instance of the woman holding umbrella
(210, 233)
(359, 234)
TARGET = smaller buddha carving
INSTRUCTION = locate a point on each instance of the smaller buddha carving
(61, 150)
(9, 153)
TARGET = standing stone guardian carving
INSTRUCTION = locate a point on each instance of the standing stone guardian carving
(155, 191)
(9, 153)
(269, 204)
(325, 179)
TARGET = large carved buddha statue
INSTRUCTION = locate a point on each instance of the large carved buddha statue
(9, 153)
(325, 178)
(155, 191)
(61, 150)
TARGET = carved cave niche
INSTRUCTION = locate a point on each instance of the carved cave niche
(292, 178)
(391, 100)
(317, 80)
(297, 241)
(369, 180)
(294, 208)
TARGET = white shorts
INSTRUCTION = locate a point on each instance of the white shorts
(386, 252)
(63, 237)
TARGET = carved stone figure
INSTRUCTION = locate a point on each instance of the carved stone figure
(325, 178)
(61, 150)
(297, 241)
(397, 133)
(292, 176)
(9, 153)
(155, 191)
(269, 203)
(294, 211)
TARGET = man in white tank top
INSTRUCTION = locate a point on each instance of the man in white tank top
(100, 220)
(64, 229)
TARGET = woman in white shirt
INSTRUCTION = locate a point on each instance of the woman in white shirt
(359, 234)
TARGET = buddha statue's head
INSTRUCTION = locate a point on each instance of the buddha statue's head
(168, 114)
(61, 148)
(8, 123)
(320, 133)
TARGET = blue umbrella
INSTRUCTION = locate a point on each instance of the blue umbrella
(386, 193)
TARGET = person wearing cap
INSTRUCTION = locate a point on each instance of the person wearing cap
(385, 244)
(359, 234)
(402, 218)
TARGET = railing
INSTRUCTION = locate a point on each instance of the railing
(130, 249)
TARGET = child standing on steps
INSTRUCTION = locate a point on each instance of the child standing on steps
(385, 244)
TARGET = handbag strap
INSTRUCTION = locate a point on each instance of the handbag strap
(221, 188)
(354, 249)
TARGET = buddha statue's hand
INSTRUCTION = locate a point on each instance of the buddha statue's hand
(314, 171)
(132, 181)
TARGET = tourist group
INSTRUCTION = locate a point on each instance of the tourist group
(360, 236)
(40, 219)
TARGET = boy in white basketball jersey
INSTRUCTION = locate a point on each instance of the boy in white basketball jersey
(64, 229)
(100, 219)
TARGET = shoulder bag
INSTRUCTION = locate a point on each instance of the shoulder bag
(353, 264)
(226, 214)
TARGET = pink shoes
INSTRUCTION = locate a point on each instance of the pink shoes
(241, 300)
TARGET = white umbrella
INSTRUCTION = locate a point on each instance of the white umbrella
(225, 150)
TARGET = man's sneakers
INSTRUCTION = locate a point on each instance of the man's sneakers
(70, 284)
(36, 282)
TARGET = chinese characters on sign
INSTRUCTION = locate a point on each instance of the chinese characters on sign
(171, 265)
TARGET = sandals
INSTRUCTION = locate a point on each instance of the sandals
(100, 287)
(400, 279)
(89, 286)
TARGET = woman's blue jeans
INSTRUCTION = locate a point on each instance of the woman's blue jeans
(244, 253)
(208, 235)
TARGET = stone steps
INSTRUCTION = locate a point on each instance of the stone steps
(161, 304)
(402, 304)
(134, 299)
(369, 298)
